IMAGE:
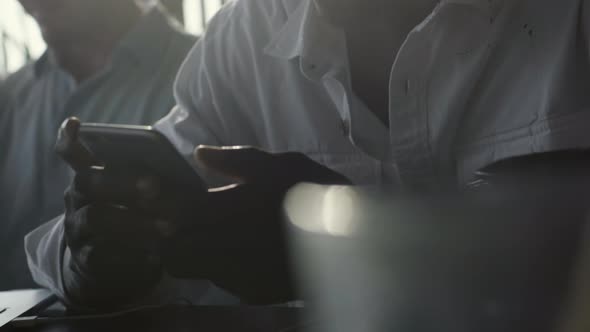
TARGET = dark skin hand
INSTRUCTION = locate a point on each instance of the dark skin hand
(126, 227)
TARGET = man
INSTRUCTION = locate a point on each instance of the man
(417, 94)
(106, 61)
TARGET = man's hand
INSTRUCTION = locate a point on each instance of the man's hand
(241, 243)
(114, 245)
(124, 228)
(251, 165)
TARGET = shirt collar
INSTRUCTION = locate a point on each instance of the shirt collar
(307, 35)
(143, 45)
(147, 41)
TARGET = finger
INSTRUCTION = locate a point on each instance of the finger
(69, 148)
(166, 208)
(251, 205)
(117, 226)
(74, 199)
(78, 232)
(123, 188)
(308, 170)
(218, 200)
(241, 164)
(248, 164)
(146, 193)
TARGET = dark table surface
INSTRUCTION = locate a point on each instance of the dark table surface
(181, 318)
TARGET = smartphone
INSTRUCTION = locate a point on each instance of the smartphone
(141, 149)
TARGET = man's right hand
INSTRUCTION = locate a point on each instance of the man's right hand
(114, 246)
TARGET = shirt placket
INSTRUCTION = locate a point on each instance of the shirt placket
(360, 126)
(357, 122)
(408, 115)
(417, 139)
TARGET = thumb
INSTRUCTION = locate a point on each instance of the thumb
(240, 163)
(69, 148)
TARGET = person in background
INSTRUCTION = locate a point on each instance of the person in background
(417, 94)
(109, 61)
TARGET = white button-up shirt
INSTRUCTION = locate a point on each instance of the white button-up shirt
(475, 82)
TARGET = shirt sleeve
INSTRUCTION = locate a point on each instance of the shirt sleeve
(196, 120)
(45, 248)
(213, 107)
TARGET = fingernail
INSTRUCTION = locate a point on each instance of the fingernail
(70, 127)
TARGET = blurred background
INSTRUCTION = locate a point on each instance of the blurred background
(20, 40)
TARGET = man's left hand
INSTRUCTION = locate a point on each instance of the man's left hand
(241, 245)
